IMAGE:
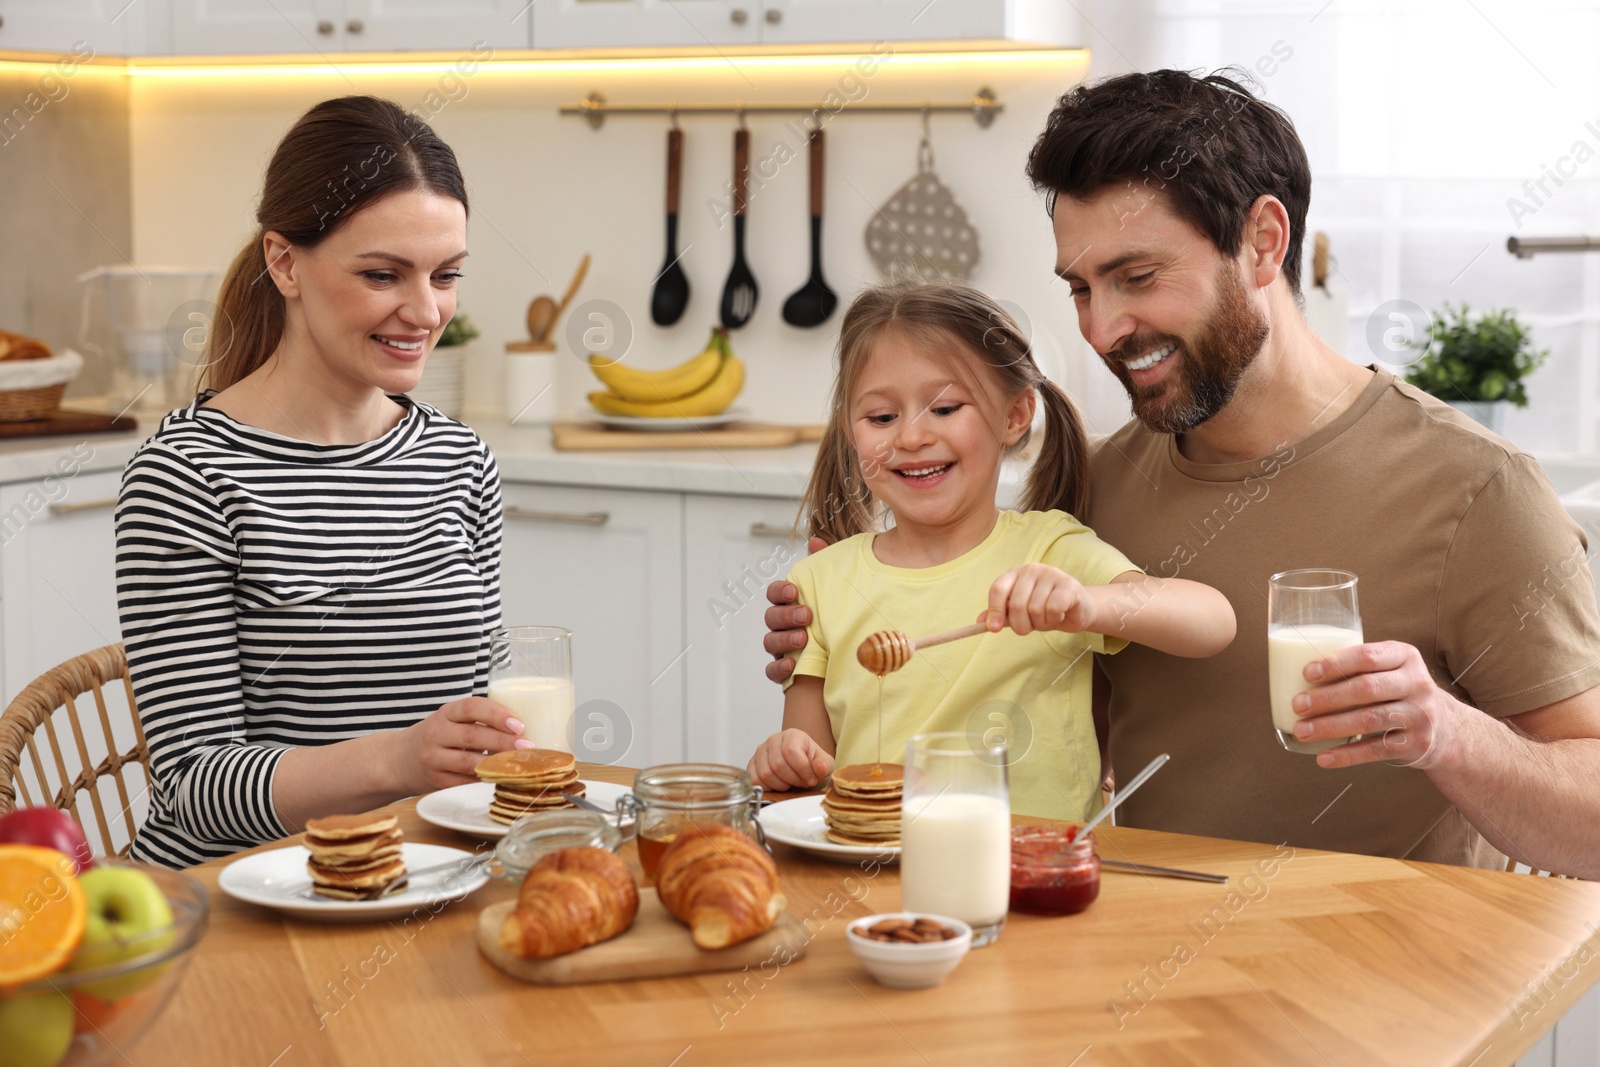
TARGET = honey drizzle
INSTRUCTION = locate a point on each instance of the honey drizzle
(877, 768)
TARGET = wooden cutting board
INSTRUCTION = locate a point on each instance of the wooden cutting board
(655, 945)
(594, 437)
(63, 422)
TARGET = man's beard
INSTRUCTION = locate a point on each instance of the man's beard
(1209, 368)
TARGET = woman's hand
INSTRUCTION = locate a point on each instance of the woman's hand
(1037, 596)
(791, 759)
(443, 749)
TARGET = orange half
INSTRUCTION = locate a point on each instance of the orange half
(42, 913)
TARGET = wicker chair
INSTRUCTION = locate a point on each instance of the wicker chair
(32, 716)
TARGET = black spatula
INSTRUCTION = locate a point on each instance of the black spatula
(740, 293)
(671, 294)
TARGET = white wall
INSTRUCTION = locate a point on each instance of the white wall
(547, 188)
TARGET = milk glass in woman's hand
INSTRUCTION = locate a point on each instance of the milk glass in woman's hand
(1311, 614)
(530, 675)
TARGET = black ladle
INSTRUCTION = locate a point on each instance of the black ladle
(739, 294)
(671, 293)
(812, 303)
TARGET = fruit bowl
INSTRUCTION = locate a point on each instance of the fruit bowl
(111, 992)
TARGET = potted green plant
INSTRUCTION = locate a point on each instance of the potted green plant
(444, 375)
(1477, 364)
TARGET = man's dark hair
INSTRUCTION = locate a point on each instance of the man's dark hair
(1207, 143)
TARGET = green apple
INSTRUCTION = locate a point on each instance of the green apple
(125, 905)
(35, 1030)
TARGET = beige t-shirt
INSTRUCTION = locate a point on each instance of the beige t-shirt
(1461, 549)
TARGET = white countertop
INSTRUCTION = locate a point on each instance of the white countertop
(524, 454)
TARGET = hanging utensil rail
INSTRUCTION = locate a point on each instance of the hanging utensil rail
(983, 107)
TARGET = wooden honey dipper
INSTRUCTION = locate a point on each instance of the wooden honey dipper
(888, 650)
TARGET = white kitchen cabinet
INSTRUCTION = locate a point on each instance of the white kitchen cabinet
(733, 546)
(645, 23)
(58, 573)
(1050, 23)
(608, 565)
(245, 27)
(662, 23)
(249, 27)
(435, 25)
(56, 26)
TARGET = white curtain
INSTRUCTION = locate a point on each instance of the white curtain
(1436, 129)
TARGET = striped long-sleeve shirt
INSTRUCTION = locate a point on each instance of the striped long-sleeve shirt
(276, 593)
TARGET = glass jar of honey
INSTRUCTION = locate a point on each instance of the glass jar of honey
(1054, 871)
(668, 799)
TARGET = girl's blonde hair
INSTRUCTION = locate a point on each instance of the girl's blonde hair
(838, 503)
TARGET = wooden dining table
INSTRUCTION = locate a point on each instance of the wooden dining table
(1303, 957)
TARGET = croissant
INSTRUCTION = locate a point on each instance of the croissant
(16, 346)
(721, 884)
(571, 898)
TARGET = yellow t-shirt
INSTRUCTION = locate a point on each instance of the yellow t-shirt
(1033, 689)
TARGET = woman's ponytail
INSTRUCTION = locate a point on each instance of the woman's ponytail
(248, 323)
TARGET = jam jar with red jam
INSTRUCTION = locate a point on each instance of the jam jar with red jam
(1053, 870)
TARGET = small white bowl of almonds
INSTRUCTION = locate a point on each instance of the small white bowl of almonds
(907, 949)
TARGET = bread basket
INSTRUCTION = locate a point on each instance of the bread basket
(32, 388)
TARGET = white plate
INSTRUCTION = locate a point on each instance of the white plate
(800, 822)
(278, 880)
(465, 808)
(705, 422)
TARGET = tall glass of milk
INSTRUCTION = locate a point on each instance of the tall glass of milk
(1311, 614)
(955, 831)
(530, 675)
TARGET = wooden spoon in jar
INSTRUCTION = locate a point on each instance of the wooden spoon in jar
(889, 650)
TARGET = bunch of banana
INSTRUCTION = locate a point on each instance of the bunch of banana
(704, 385)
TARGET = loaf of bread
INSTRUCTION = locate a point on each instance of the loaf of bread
(16, 346)
(721, 884)
(571, 899)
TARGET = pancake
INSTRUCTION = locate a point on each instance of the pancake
(507, 809)
(387, 871)
(528, 766)
(353, 847)
(863, 806)
(345, 827)
(354, 857)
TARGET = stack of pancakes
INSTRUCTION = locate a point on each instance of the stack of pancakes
(863, 807)
(529, 779)
(354, 857)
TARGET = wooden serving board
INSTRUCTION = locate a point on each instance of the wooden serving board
(655, 945)
(595, 437)
(64, 422)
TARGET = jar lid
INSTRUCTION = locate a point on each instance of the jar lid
(1049, 846)
(693, 786)
(542, 832)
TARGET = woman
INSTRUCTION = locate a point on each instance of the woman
(307, 561)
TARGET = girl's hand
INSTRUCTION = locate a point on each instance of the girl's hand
(1037, 596)
(791, 759)
(442, 750)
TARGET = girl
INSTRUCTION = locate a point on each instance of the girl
(936, 387)
(308, 562)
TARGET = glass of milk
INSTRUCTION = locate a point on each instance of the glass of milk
(1311, 614)
(530, 675)
(955, 831)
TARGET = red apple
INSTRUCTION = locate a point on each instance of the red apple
(49, 828)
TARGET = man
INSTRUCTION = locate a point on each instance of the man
(1179, 209)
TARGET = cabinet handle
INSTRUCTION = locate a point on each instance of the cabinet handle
(738, 16)
(85, 505)
(325, 27)
(774, 15)
(785, 533)
(355, 26)
(573, 518)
